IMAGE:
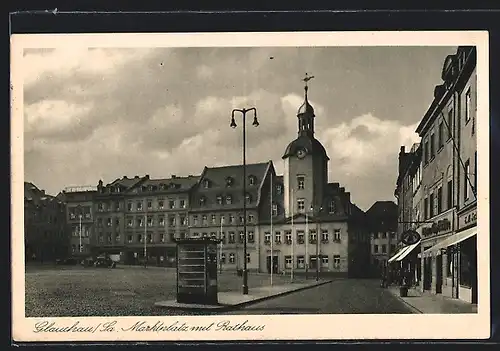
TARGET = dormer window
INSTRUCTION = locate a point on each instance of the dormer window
(229, 181)
(252, 180)
(248, 198)
(206, 183)
(143, 188)
(229, 200)
(219, 199)
(118, 189)
(203, 200)
(332, 207)
(150, 188)
(162, 186)
(279, 189)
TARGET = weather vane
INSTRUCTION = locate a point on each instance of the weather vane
(307, 78)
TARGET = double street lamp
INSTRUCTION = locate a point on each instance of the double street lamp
(233, 125)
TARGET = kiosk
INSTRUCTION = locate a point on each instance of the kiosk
(197, 271)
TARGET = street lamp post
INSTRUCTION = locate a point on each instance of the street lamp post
(233, 125)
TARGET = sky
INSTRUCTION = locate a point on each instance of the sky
(103, 113)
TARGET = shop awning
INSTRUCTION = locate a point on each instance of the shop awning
(407, 251)
(449, 241)
(396, 255)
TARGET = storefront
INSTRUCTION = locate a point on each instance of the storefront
(436, 276)
(405, 261)
(456, 255)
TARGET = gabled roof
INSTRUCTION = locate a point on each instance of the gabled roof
(217, 179)
(382, 209)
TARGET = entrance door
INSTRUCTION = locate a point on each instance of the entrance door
(427, 273)
(439, 274)
(274, 264)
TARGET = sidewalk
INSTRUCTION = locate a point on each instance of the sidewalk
(433, 303)
(235, 299)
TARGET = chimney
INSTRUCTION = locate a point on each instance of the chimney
(125, 177)
(147, 176)
(174, 176)
(136, 177)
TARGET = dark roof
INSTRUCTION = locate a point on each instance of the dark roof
(37, 196)
(310, 144)
(382, 209)
(126, 182)
(217, 178)
(174, 183)
(306, 108)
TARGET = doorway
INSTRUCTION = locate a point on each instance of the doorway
(274, 264)
(427, 273)
(439, 274)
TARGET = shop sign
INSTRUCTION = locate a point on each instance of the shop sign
(410, 237)
(437, 227)
(468, 219)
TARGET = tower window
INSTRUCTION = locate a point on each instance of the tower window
(206, 183)
(332, 207)
(300, 182)
(300, 205)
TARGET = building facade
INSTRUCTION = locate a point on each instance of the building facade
(445, 201)
(45, 230)
(297, 221)
(382, 218)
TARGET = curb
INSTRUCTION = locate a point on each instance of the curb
(410, 306)
(223, 308)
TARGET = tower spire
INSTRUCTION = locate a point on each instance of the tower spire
(306, 79)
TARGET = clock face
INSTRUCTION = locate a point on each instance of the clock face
(301, 153)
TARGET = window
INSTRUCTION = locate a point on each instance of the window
(117, 222)
(213, 235)
(250, 218)
(275, 210)
(288, 236)
(109, 222)
(431, 205)
(229, 181)
(130, 239)
(182, 203)
(110, 239)
(100, 207)
(242, 219)
(231, 258)
(150, 238)
(426, 208)
(248, 199)
(150, 221)
(150, 204)
(232, 237)
(393, 235)
(160, 204)
(223, 257)
(229, 200)
(300, 182)
(324, 261)
(300, 236)
(393, 248)
(251, 180)
(312, 261)
(223, 237)
(375, 235)
(117, 206)
(312, 236)
(450, 123)
(375, 248)
(426, 152)
(277, 237)
(139, 206)
(222, 219)
(440, 200)
(206, 183)
(231, 219)
(171, 204)
(242, 236)
(336, 261)
(301, 261)
(219, 199)
(195, 220)
(336, 235)
(139, 238)
(129, 222)
(204, 220)
(140, 222)
(184, 220)
(440, 135)
(214, 219)
(300, 205)
(171, 220)
(432, 145)
(279, 189)
(162, 238)
(384, 248)
(384, 235)
(466, 180)
(248, 258)
(324, 235)
(251, 237)
(332, 207)
(467, 106)
(288, 262)
(267, 237)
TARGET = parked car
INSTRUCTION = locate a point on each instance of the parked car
(104, 261)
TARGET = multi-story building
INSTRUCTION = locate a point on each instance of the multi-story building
(80, 217)
(447, 131)
(382, 219)
(45, 231)
(139, 217)
(311, 223)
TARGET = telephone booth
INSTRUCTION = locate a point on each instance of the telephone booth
(197, 271)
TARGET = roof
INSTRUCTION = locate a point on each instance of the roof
(382, 208)
(227, 181)
(37, 196)
(310, 144)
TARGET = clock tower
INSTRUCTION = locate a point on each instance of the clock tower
(306, 164)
